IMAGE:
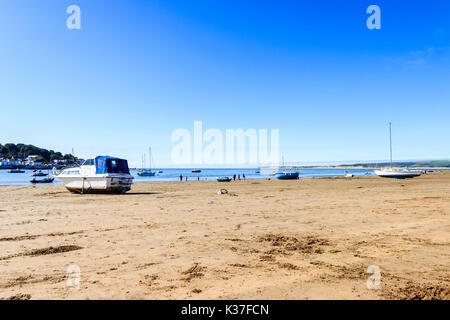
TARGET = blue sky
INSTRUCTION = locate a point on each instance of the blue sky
(137, 70)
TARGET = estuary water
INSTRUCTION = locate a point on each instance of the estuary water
(173, 174)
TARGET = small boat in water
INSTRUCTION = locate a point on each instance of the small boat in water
(38, 173)
(45, 180)
(196, 171)
(16, 171)
(104, 174)
(147, 172)
(223, 179)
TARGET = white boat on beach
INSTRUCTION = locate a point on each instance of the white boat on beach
(102, 174)
(396, 173)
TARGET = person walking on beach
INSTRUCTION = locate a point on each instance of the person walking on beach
(243, 176)
(239, 177)
(198, 178)
(234, 177)
(181, 177)
(186, 178)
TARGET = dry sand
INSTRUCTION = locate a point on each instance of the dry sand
(305, 239)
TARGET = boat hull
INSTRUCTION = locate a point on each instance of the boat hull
(288, 176)
(396, 175)
(146, 174)
(97, 184)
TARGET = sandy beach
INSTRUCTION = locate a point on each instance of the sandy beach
(305, 239)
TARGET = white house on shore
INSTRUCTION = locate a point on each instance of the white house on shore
(10, 162)
(30, 161)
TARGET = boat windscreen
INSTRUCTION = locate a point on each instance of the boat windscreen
(117, 166)
(89, 162)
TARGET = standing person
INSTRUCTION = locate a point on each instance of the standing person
(181, 177)
(239, 177)
(243, 176)
(198, 178)
(186, 178)
(234, 177)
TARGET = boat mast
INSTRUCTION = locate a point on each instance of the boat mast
(390, 141)
(150, 156)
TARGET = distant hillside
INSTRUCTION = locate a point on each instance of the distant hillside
(21, 151)
(421, 164)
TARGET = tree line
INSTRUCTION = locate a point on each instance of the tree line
(21, 151)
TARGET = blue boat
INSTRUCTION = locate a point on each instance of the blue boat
(39, 173)
(287, 175)
(45, 180)
(146, 173)
(16, 171)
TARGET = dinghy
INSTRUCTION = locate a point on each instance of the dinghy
(45, 180)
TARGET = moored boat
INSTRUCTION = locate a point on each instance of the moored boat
(38, 173)
(223, 179)
(102, 174)
(147, 172)
(16, 171)
(287, 175)
(196, 171)
(45, 180)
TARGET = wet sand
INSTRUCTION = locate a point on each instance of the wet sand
(305, 239)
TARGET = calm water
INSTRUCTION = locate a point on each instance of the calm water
(23, 179)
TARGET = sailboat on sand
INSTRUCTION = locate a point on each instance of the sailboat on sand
(286, 175)
(396, 173)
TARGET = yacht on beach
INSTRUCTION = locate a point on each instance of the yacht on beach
(102, 174)
(396, 173)
(286, 175)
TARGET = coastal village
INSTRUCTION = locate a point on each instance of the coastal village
(30, 162)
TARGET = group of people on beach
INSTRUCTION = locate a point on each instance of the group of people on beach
(238, 177)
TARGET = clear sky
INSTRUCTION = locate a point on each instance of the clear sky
(137, 70)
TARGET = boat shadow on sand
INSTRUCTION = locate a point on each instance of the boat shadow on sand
(140, 193)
